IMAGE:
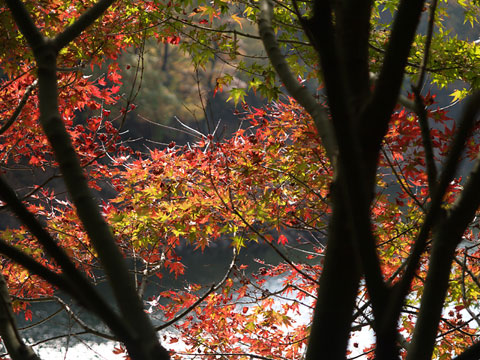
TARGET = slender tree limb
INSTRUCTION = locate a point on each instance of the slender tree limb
(472, 353)
(238, 33)
(352, 25)
(80, 322)
(463, 209)
(420, 105)
(387, 87)
(16, 347)
(402, 182)
(40, 322)
(434, 212)
(421, 111)
(25, 23)
(322, 34)
(52, 338)
(260, 235)
(144, 343)
(19, 108)
(36, 268)
(448, 236)
(298, 92)
(474, 278)
(201, 298)
(84, 21)
(428, 43)
(28, 219)
(465, 301)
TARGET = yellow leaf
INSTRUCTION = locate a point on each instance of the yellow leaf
(237, 20)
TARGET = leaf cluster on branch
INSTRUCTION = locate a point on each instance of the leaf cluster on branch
(349, 176)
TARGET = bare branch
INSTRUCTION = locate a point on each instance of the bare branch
(80, 322)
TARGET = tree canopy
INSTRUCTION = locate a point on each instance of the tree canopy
(352, 173)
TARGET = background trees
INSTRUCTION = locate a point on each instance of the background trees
(355, 172)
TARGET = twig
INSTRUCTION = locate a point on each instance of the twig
(420, 105)
(19, 108)
(14, 343)
(258, 233)
(80, 322)
(435, 208)
(203, 297)
(299, 92)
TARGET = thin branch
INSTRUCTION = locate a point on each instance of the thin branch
(239, 33)
(134, 89)
(169, 128)
(42, 321)
(19, 108)
(403, 183)
(6, 84)
(295, 89)
(36, 268)
(58, 337)
(435, 208)
(51, 247)
(428, 42)
(387, 87)
(251, 356)
(420, 105)
(464, 293)
(84, 21)
(465, 268)
(201, 298)
(80, 322)
(463, 209)
(17, 349)
(25, 23)
(259, 234)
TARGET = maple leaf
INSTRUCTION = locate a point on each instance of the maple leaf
(282, 239)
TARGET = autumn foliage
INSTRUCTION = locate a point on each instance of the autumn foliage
(272, 182)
